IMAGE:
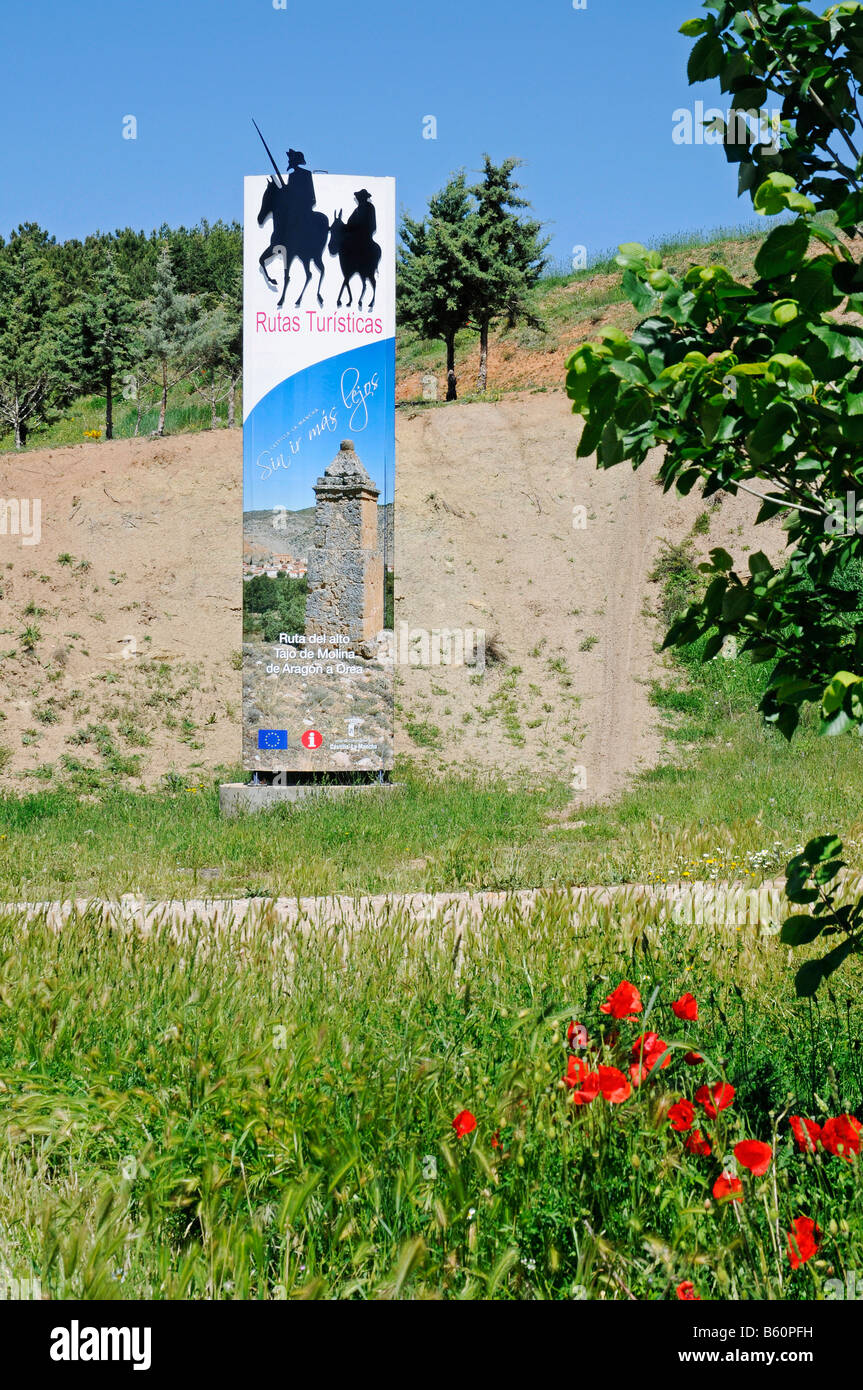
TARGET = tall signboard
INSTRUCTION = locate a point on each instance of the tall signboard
(318, 471)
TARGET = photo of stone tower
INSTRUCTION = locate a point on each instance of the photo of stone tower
(345, 568)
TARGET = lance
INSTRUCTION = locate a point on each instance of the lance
(269, 152)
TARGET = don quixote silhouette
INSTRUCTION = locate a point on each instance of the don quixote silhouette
(300, 233)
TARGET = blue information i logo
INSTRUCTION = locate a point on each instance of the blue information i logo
(272, 738)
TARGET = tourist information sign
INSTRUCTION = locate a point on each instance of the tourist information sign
(318, 470)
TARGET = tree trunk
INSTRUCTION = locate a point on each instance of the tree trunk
(109, 406)
(483, 356)
(450, 368)
(20, 434)
(232, 405)
(163, 402)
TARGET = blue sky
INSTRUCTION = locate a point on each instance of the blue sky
(585, 97)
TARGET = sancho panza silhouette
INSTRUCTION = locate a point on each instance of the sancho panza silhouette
(298, 231)
(353, 242)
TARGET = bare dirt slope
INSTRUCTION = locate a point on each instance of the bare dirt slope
(120, 630)
(488, 535)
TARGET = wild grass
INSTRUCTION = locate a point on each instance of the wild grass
(87, 413)
(733, 791)
(270, 1115)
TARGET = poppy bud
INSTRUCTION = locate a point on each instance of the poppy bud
(635, 1161)
(833, 1228)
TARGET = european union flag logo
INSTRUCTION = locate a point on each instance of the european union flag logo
(272, 738)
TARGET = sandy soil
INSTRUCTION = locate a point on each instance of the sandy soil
(486, 536)
(132, 601)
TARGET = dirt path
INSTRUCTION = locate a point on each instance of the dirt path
(759, 905)
(489, 535)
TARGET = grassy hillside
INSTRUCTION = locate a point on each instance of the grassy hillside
(569, 307)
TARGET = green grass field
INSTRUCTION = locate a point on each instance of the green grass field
(204, 1119)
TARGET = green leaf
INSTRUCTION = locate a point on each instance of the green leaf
(641, 295)
(821, 848)
(846, 343)
(772, 430)
(784, 250)
(778, 194)
(799, 931)
(706, 59)
(628, 371)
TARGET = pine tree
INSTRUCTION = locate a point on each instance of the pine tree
(100, 337)
(508, 254)
(32, 379)
(216, 348)
(167, 332)
(435, 289)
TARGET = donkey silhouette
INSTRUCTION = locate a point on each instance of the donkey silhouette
(298, 238)
(358, 252)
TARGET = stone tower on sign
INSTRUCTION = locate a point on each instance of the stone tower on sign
(345, 571)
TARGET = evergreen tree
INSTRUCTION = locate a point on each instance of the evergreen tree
(101, 334)
(216, 347)
(435, 289)
(32, 379)
(508, 254)
(168, 331)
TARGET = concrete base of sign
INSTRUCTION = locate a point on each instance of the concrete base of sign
(239, 798)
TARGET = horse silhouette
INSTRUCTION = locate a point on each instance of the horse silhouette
(302, 239)
(359, 255)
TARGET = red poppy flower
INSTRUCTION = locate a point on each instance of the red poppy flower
(715, 1098)
(495, 1140)
(754, 1155)
(804, 1239)
(806, 1132)
(681, 1115)
(623, 1002)
(727, 1189)
(464, 1123)
(686, 1007)
(841, 1136)
(583, 1082)
(576, 1071)
(698, 1143)
(576, 1035)
(614, 1085)
(693, 1059)
(646, 1052)
(686, 1291)
(588, 1091)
